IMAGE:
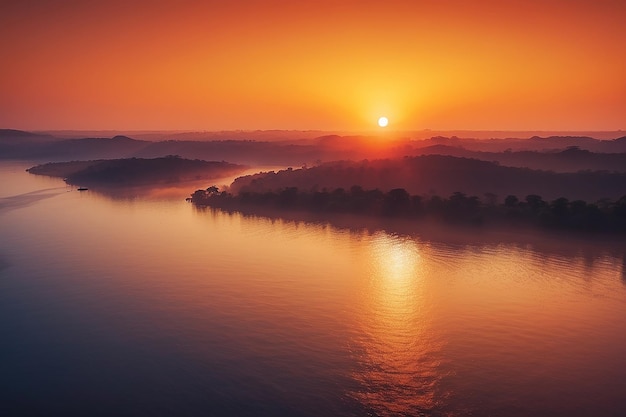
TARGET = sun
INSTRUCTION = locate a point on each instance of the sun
(383, 121)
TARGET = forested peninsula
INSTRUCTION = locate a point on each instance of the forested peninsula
(607, 216)
(435, 187)
(440, 175)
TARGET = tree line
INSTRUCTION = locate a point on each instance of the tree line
(459, 208)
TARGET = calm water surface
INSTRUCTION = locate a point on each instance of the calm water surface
(145, 305)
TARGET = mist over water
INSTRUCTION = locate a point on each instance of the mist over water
(146, 305)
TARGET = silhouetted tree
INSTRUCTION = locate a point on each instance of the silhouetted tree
(535, 202)
(397, 201)
(559, 210)
(199, 195)
(511, 201)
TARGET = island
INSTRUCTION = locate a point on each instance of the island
(137, 171)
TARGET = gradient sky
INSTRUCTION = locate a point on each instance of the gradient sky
(328, 65)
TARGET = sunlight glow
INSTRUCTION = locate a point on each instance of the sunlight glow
(400, 347)
(383, 121)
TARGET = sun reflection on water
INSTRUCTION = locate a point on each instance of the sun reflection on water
(399, 354)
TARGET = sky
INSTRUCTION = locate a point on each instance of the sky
(313, 65)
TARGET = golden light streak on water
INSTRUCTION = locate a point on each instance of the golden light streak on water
(400, 352)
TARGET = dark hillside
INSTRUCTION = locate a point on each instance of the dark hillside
(442, 175)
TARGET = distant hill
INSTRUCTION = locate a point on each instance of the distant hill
(14, 133)
(239, 151)
(557, 153)
(535, 143)
(72, 149)
(95, 148)
(441, 175)
(572, 159)
(12, 136)
(136, 171)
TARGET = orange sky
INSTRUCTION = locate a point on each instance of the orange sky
(328, 65)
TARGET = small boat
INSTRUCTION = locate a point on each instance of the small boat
(82, 188)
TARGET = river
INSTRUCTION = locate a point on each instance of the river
(142, 304)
